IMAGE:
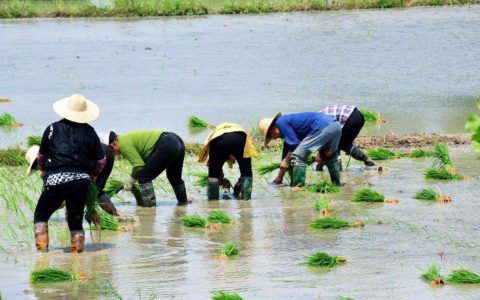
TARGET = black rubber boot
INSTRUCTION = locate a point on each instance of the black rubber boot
(246, 191)
(334, 170)
(147, 195)
(319, 167)
(358, 154)
(180, 193)
(213, 189)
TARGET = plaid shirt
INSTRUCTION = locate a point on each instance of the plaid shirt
(341, 112)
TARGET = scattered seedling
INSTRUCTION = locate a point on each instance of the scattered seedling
(195, 122)
(113, 187)
(322, 259)
(219, 216)
(229, 249)
(381, 154)
(324, 186)
(195, 220)
(333, 223)
(432, 274)
(34, 140)
(221, 295)
(52, 275)
(463, 276)
(432, 195)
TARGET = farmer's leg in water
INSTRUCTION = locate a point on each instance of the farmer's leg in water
(174, 173)
(331, 135)
(48, 203)
(75, 195)
(215, 164)
(350, 131)
(103, 199)
(246, 178)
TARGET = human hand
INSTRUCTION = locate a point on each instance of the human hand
(284, 164)
(277, 180)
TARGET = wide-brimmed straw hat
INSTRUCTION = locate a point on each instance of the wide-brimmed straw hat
(31, 157)
(77, 108)
(106, 137)
(265, 125)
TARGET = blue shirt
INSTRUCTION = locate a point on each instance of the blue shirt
(295, 127)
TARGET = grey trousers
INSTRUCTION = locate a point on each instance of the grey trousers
(325, 140)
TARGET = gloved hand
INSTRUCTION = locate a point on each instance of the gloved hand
(128, 186)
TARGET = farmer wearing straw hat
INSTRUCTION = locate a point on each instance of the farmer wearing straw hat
(151, 152)
(228, 142)
(70, 158)
(304, 133)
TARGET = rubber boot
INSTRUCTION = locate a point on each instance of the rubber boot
(77, 240)
(147, 195)
(213, 189)
(299, 174)
(334, 170)
(358, 154)
(180, 193)
(107, 205)
(246, 192)
(319, 167)
(340, 165)
(41, 236)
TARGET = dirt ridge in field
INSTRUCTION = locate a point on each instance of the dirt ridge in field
(415, 140)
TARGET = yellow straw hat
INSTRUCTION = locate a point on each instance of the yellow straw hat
(77, 108)
(265, 125)
(31, 157)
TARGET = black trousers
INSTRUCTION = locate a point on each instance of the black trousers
(232, 143)
(168, 154)
(107, 170)
(75, 195)
(350, 130)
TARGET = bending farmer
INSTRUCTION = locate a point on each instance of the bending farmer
(304, 133)
(228, 142)
(151, 152)
(70, 157)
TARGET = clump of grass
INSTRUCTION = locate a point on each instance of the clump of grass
(322, 204)
(108, 222)
(322, 259)
(12, 157)
(34, 140)
(368, 195)
(463, 276)
(381, 154)
(267, 169)
(202, 179)
(195, 122)
(219, 216)
(195, 220)
(48, 275)
(427, 194)
(324, 186)
(229, 249)
(432, 274)
(329, 223)
(370, 116)
(113, 187)
(221, 295)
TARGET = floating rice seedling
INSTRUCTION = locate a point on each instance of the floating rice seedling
(267, 169)
(322, 205)
(195, 122)
(34, 140)
(432, 274)
(219, 216)
(221, 295)
(368, 195)
(12, 157)
(195, 220)
(432, 195)
(463, 276)
(229, 249)
(381, 154)
(329, 223)
(52, 275)
(113, 187)
(322, 259)
(370, 116)
(324, 186)
(202, 179)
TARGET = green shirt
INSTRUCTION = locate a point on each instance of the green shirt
(136, 146)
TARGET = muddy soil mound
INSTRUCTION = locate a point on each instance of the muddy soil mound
(411, 140)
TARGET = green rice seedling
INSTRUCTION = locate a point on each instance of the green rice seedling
(473, 126)
(34, 140)
(12, 157)
(322, 259)
(368, 195)
(194, 220)
(463, 276)
(432, 274)
(427, 194)
(48, 275)
(343, 298)
(195, 122)
(91, 206)
(229, 249)
(443, 168)
(113, 187)
(329, 223)
(219, 216)
(370, 116)
(441, 154)
(441, 174)
(417, 153)
(324, 186)
(322, 204)
(192, 148)
(7, 120)
(381, 154)
(108, 222)
(202, 179)
(267, 169)
(221, 295)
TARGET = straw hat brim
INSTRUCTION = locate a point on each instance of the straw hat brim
(29, 170)
(268, 139)
(91, 113)
(35, 150)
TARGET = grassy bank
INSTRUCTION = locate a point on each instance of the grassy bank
(151, 8)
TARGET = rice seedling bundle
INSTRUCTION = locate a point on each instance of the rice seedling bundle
(381, 154)
(12, 157)
(91, 207)
(267, 169)
(370, 116)
(432, 274)
(329, 223)
(443, 168)
(108, 222)
(195, 122)
(322, 259)
(368, 195)
(229, 249)
(202, 179)
(441, 154)
(427, 194)
(219, 216)
(221, 295)
(441, 174)
(417, 153)
(463, 276)
(113, 187)
(321, 204)
(324, 186)
(51, 275)
(7, 120)
(34, 140)
(194, 220)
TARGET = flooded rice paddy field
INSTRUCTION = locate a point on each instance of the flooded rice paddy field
(160, 257)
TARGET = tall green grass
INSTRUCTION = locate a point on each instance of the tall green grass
(13, 157)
